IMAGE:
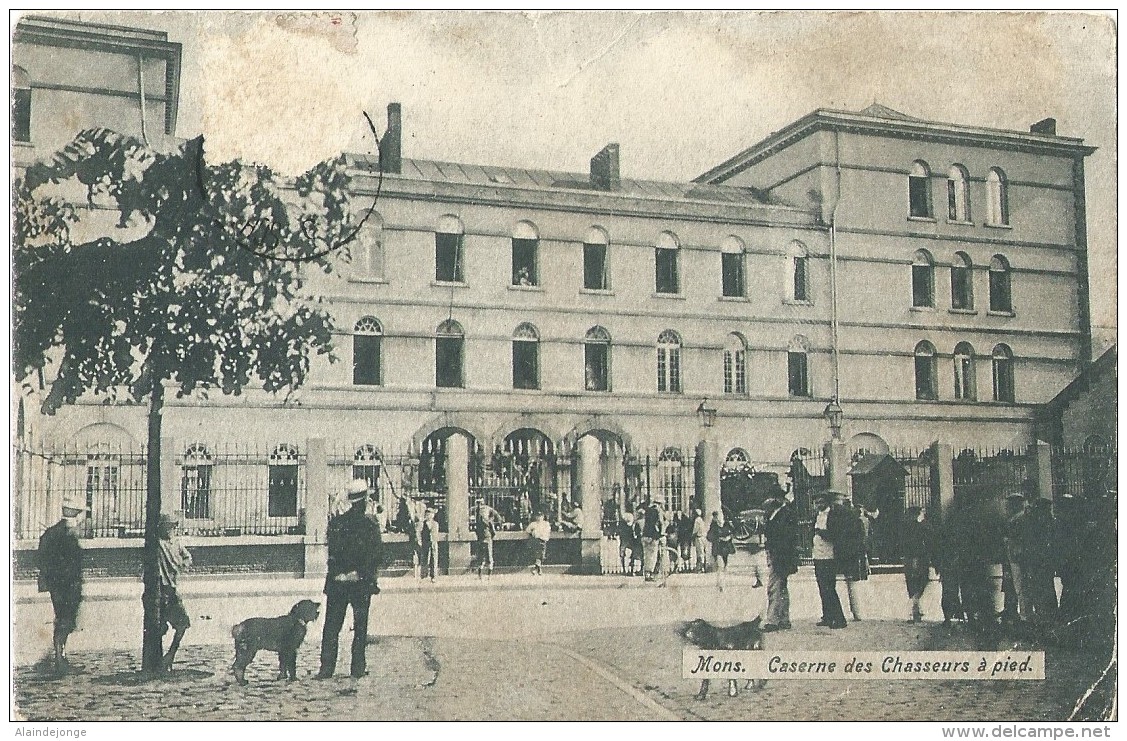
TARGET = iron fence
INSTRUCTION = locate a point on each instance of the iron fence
(1089, 472)
(990, 474)
(806, 476)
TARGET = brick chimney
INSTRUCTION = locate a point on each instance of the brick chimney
(391, 145)
(604, 169)
(1044, 126)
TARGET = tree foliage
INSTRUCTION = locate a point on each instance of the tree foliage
(204, 290)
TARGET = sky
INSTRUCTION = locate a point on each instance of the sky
(680, 92)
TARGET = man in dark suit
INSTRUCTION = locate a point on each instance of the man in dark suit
(354, 557)
(60, 573)
(830, 523)
(780, 532)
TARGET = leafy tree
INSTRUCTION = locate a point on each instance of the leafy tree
(196, 285)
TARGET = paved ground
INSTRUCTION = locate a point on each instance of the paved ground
(517, 648)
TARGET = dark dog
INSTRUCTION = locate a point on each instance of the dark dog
(281, 634)
(745, 636)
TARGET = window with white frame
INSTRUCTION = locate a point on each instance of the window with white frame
(798, 376)
(919, 191)
(366, 360)
(526, 357)
(449, 251)
(366, 249)
(669, 362)
(195, 483)
(958, 194)
(281, 495)
(667, 277)
(596, 268)
(798, 272)
(964, 372)
(1001, 299)
(449, 343)
(962, 282)
(927, 385)
(923, 279)
(526, 245)
(735, 364)
(596, 360)
(997, 198)
(732, 261)
(671, 477)
(1002, 361)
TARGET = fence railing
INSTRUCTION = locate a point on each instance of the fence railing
(993, 473)
(1087, 473)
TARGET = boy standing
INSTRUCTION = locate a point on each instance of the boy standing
(60, 573)
(540, 531)
(174, 558)
(428, 539)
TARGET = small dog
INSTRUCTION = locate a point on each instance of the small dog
(281, 634)
(746, 636)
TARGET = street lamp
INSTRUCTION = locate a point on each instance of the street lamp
(707, 414)
(834, 415)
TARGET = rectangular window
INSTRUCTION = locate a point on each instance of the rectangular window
(732, 268)
(925, 378)
(796, 374)
(953, 201)
(964, 377)
(448, 258)
(195, 492)
(1003, 380)
(524, 262)
(735, 372)
(526, 365)
(448, 362)
(665, 262)
(596, 366)
(366, 360)
(961, 296)
(923, 285)
(729, 375)
(282, 494)
(918, 197)
(21, 114)
(801, 292)
(1000, 291)
(669, 370)
(595, 277)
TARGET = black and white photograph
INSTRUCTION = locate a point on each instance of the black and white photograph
(564, 366)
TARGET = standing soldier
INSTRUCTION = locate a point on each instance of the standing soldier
(173, 558)
(781, 535)
(428, 540)
(60, 573)
(486, 520)
(354, 556)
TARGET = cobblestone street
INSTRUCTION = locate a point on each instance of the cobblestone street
(557, 651)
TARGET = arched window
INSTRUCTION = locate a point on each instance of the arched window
(103, 490)
(366, 249)
(927, 385)
(596, 269)
(958, 194)
(671, 479)
(21, 105)
(596, 360)
(1000, 297)
(669, 362)
(798, 273)
(526, 242)
(366, 365)
(964, 371)
(962, 282)
(449, 257)
(667, 277)
(997, 198)
(919, 190)
(195, 483)
(366, 465)
(1002, 361)
(526, 357)
(732, 267)
(448, 355)
(923, 279)
(735, 365)
(798, 377)
(281, 495)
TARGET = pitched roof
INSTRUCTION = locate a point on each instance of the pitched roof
(876, 110)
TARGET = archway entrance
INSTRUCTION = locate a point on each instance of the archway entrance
(519, 478)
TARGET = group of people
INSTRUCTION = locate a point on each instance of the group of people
(653, 543)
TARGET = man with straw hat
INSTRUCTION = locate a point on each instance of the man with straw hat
(60, 573)
(354, 556)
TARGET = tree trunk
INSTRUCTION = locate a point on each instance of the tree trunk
(152, 651)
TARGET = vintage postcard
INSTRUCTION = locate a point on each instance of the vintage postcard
(564, 366)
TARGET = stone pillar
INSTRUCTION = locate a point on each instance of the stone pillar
(837, 465)
(317, 499)
(1044, 460)
(169, 477)
(708, 460)
(945, 475)
(589, 451)
(458, 502)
